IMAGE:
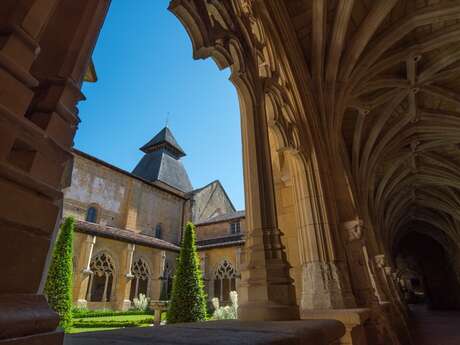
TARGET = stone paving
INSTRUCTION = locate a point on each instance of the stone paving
(435, 327)
(309, 332)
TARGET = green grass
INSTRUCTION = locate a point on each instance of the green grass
(116, 318)
(108, 319)
(74, 330)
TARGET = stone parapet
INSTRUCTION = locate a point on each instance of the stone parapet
(27, 319)
(353, 319)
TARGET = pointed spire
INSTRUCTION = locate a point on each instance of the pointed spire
(164, 139)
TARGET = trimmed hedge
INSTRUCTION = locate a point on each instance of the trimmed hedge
(58, 286)
(82, 323)
(188, 300)
(84, 313)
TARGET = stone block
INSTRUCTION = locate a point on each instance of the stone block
(353, 319)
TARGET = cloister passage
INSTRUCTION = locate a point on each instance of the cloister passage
(428, 279)
(428, 276)
(362, 100)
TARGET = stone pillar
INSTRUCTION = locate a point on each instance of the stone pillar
(266, 289)
(157, 275)
(325, 282)
(32, 165)
(125, 278)
(203, 267)
(239, 252)
(84, 272)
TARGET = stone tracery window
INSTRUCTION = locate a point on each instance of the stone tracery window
(101, 281)
(224, 281)
(140, 282)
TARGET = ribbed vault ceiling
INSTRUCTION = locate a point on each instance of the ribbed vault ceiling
(388, 72)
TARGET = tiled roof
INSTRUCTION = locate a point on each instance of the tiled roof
(223, 218)
(149, 241)
(224, 241)
(123, 235)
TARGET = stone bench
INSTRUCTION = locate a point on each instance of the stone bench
(304, 332)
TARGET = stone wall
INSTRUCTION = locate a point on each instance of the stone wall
(220, 229)
(210, 201)
(123, 254)
(122, 200)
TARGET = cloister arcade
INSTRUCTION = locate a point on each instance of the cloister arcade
(350, 127)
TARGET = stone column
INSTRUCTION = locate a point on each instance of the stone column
(31, 168)
(125, 278)
(203, 267)
(266, 289)
(84, 273)
(239, 253)
(325, 282)
(157, 275)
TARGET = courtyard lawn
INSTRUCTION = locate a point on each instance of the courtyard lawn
(116, 318)
(106, 323)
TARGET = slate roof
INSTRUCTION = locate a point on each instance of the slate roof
(161, 162)
(123, 235)
(164, 137)
(223, 218)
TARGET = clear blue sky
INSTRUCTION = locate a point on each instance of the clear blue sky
(145, 68)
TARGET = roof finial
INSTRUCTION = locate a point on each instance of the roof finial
(167, 119)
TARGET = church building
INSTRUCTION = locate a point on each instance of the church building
(129, 225)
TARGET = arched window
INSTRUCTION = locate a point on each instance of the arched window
(101, 281)
(158, 233)
(140, 283)
(224, 281)
(91, 214)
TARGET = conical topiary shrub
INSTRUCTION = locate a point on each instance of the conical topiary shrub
(188, 300)
(58, 286)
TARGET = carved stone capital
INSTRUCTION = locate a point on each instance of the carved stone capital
(388, 270)
(87, 272)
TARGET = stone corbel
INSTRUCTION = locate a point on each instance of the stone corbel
(353, 229)
(380, 261)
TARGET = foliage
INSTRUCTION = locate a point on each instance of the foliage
(58, 288)
(83, 323)
(84, 313)
(141, 303)
(188, 300)
(229, 312)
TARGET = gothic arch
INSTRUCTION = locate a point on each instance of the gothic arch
(101, 286)
(142, 277)
(224, 280)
